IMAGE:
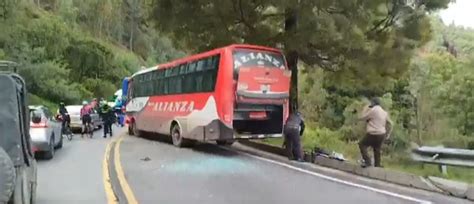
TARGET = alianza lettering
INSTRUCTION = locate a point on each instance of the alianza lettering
(178, 106)
(257, 56)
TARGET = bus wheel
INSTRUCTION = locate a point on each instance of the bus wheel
(225, 142)
(178, 140)
(135, 130)
(130, 129)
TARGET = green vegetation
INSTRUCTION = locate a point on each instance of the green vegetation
(431, 103)
(71, 50)
(348, 39)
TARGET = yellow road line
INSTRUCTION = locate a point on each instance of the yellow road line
(109, 192)
(121, 176)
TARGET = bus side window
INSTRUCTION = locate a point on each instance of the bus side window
(208, 64)
(211, 74)
(191, 67)
(215, 62)
(182, 69)
(201, 65)
(198, 82)
(155, 82)
(162, 82)
(149, 84)
(165, 86)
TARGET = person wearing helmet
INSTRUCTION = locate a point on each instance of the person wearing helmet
(294, 128)
(62, 111)
(86, 118)
(108, 116)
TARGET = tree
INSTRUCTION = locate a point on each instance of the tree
(89, 59)
(363, 43)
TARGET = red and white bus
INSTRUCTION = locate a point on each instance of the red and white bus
(238, 91)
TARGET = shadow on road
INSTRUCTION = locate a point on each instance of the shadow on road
(213, 149)
(156, 137)
(205, 148)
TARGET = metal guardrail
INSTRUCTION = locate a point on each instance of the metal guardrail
(9, 65)
(444, 156)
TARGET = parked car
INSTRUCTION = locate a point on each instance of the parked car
(18, 170)
(45, 131)
(75, 114)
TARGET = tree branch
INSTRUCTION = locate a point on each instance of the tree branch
(332, 10)
(389, 20)
(272, 15)
(242, 17)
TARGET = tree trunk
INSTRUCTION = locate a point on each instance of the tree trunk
(292, 56)
(130, 42)
(292, 59)
(417, 120)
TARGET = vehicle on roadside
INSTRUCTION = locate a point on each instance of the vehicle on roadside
(234, 92)
(75, 114)
(45, 131)
(18, 169)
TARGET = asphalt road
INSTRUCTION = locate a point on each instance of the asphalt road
(157, 172)
(74, 175)
(160, 173)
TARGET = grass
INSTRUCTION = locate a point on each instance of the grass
(397, 160)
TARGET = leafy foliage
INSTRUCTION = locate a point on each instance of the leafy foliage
(362, 45)
(70, 49)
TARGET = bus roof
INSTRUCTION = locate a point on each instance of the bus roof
(144, 71)
(205, 54)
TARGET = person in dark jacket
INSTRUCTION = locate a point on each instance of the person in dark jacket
(293, 130)
(108, 116)
(62, 111)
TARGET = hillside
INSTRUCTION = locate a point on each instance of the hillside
(68, 55)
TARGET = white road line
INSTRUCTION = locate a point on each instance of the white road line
(339, 180)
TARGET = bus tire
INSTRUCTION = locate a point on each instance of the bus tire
(130, 129)
(225, 142)
(176, 136)
(135, 130)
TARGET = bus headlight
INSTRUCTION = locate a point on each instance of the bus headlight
(242, 86)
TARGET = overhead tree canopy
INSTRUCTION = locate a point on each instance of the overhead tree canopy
(364, 43)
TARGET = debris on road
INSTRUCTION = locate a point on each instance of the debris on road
(145, 159)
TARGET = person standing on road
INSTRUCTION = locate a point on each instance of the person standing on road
(66, 120)
(86, 118)
(108, 116)
(378, 128)
(294, 128)
(118, 111)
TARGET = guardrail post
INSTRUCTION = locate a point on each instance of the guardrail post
(443, 169)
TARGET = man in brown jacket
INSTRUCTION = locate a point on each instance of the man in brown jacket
(379, 128)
